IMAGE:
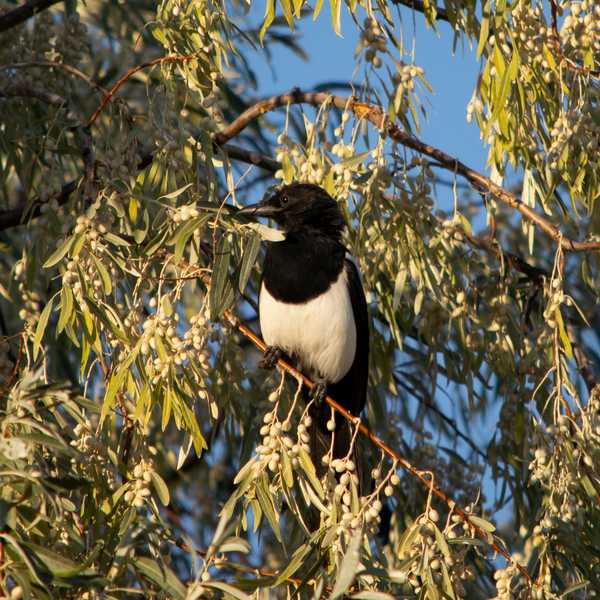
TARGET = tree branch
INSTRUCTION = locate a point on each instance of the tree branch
(150, 63)
(423, 476)
(56, 65)
(15, 217)
(22, 13)
(377, 117)
(441, 14)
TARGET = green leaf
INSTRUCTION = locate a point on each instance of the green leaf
(295, 563)
(59, 253)
(219, 296)
(266, 502)
(235, 544)
(269, 17)
(317, 10)
(355, 160)
(564, 336)
(176, 193)
(184, 232)
(162, 576)
(66, 307)
(309, 470)
(484, 31)
(372, 595)
(116, 381)
(41, 327)
(336, 8)
(227, 589)
(348, 568)
(286, 470)
(482, 524)
(103, 272)
(269, 234)
(286, 5)
(161, 488)
(250, 254)
(56, 564)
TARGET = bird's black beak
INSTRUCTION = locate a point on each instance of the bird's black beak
(261, 209)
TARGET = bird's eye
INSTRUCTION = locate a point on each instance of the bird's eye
(284, 200)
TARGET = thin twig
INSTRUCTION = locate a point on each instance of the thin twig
(377, 117)
(22, 13)
(150, 63)
(430, 405)
(558, 47)
(56, 65)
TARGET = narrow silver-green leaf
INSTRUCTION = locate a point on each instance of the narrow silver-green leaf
(59, 253)
(162, 576)
(41, 328)
(161, 488)
(348, 568)
(219, 278)
(250, 253)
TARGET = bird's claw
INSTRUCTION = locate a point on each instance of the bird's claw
(318, 392)
(271, 356)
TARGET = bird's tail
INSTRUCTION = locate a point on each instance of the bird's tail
(324, 439)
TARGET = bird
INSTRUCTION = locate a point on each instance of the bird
(312, 308)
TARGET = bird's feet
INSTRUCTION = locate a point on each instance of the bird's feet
(318, 392)
(271, 356)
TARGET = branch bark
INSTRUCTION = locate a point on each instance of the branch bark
(425, 477)
(22, 13)
(377, 117)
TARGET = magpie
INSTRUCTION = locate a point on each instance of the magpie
(312, 307)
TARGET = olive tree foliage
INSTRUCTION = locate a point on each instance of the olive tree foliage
(141, 451)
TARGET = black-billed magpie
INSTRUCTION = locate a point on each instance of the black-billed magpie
(312, 306)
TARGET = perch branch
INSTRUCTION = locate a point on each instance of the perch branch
(423, 476)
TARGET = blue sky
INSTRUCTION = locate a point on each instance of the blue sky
(452, 76)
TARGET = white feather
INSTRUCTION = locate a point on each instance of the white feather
(320, 332)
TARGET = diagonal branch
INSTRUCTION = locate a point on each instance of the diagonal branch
(423, 476)
(376, 116)
(22, 13)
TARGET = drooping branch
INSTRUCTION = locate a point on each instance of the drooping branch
(376, 116)
(22, 13)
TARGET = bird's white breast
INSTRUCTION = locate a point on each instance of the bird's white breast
(321, 333)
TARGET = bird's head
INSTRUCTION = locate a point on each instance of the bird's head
(300, 207)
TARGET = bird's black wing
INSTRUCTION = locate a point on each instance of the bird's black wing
(351, 390)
